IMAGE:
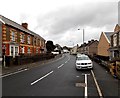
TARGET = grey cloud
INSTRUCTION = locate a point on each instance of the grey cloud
(69, 18)
(90, 14)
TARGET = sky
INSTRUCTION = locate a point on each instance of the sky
(59, 20)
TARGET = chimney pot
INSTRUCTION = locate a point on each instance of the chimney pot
(25, 25)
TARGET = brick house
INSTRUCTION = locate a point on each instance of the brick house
(18, 39)
(115, 44)
(92, 47)
(104, 44)
(89, 48)
(82, 48)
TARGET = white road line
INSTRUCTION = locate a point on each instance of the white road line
(66, 61)
(98, 88)
(13, 73)
(86, 93)
(60, 66)
(41, 78)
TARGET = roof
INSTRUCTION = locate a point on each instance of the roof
(83, 45)
(92, 42)
(7, 21)
(108, 34)
(117, 28)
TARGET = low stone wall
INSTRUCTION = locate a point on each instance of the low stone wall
(25, 59)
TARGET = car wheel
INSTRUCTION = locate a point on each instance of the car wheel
(77, 69)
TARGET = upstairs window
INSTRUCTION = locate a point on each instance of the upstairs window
(40, 42)
(35, 41)
(37, 50)
(22, 38)
(28, 39)
(13, 36)
(28, 50)
(115, 40)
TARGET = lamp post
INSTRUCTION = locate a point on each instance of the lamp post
(83, 38)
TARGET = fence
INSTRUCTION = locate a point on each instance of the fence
(25, 59)
(102, 60)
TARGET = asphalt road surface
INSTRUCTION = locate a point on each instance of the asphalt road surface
(60, 78)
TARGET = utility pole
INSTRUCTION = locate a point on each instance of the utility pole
(83, 38)
(0, 58)
(83, 41)
(0, 43)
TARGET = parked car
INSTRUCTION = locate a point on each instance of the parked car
(78, 54)
(83, 62)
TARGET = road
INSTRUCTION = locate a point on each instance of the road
(60, 78)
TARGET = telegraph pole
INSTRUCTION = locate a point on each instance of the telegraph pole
(0, 59)
(0, 43)
(83, 38)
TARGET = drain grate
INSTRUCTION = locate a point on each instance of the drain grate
(80, 84)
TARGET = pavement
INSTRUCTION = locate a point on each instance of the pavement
(12, 69)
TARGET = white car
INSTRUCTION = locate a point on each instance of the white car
(78, 55)
(83, 62)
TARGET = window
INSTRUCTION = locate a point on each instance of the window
(35, 41)
(13, 36)
(22, 38)
(115, 40)
(116, 53)
(36, 50)
(40, 42)
(28, 49)
(28, 39)
(119, 38)
(16, 51)
(22, 48)
(11, 50)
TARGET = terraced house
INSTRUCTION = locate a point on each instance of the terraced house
(115, 44)
(18, 39)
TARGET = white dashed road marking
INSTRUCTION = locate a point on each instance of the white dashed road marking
(60, 66)
(41, 78)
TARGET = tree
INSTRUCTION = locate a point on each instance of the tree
(50, 46)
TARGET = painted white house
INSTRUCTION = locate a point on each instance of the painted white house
(74, 50)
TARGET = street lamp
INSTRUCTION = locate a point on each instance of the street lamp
(83, 35)
(83, 38)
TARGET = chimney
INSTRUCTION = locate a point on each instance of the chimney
(89, 41)
(25, 25)
(92, 40)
